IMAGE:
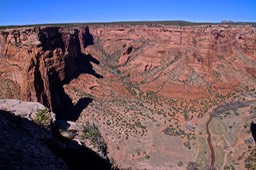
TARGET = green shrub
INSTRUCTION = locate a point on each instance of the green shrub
(180, 163)
(42, 117)
(91, 132)
(147, 156)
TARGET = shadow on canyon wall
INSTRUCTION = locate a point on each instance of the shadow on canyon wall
(77, 157)
(24, 146)
(76, 63)
(253, 130)
(51, 38)
(85, 65)
(76, 58)
(62, 104)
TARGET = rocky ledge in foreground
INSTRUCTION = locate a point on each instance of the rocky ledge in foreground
(29, 144)
(22, 145)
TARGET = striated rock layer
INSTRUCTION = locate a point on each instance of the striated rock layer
(37, 62)
(169, 60)
(175, 61)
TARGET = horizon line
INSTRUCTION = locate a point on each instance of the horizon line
(127, 22)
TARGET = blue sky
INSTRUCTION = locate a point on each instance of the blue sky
(20, 12)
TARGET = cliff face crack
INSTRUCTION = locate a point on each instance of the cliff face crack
(39, 87)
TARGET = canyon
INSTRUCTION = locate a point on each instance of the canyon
(148, 88)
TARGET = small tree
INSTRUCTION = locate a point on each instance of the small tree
(42, 117)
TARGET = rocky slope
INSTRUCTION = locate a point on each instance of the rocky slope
(173, 60)
(143, 86)
(30, 139)
(22, 141)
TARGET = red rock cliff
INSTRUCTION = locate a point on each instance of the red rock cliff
(172, 59)
(169, 60)
(41, 60)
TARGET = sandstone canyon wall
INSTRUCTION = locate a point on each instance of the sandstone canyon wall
(161, 58)
(36, 62)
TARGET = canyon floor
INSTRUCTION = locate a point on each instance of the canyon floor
(150, 89)
(148, 131)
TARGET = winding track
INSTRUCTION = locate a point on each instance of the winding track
(233, 105)
(209, 140)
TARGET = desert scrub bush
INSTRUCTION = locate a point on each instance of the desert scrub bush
(42, 117)
(226, 167)
(147, 156)
(180, 163)
(91, 132)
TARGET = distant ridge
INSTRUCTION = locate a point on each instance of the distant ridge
(175, 22)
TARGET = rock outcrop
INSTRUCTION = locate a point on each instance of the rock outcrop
(28, 144)
(39, 61)
(27, 110)
(22, 145)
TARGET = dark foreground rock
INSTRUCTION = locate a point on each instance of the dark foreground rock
(26, 145)
(22, 145)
